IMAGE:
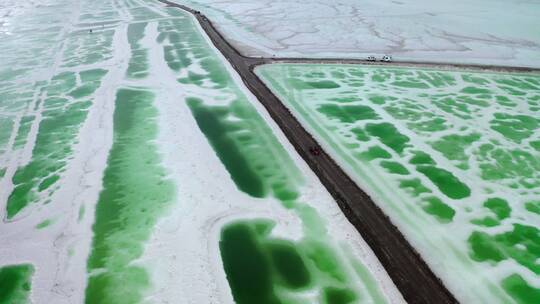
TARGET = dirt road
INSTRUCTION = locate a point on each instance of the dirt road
(410, 273)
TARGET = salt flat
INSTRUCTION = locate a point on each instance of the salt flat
(136, 167)
(451, 156)
(467, 32)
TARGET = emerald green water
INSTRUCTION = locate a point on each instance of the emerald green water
(44, 224)
(15, 283)
(212, 122)
(347, 113)
(135, 194)
(334, 295)
(56, 136)
(84, 49)
(394, 167)
(31, 96)
(289, 265)
(24, 129)
(263, 269)
(459, 147)
(435, 206)
(388, 135)
(246, 148)
(248, 269)
(448, 183)
(502, 246)
(136, 191)
(241, 139)
(54, 72)
(6, 125)
(520, 290)
(514, 127)
(453, 148)
(138, 63)
(259, 268)
(533, 206)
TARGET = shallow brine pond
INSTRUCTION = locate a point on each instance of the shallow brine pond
(453, 157)
(135, 167)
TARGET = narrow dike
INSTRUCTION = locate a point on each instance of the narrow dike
(410, 273)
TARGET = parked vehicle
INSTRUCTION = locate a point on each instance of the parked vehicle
(386, 58)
